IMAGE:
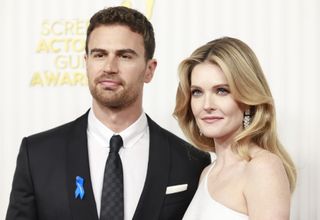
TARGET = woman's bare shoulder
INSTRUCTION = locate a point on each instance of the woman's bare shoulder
(263, 160)
(267, 185)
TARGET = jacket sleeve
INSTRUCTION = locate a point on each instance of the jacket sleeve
(22, 205)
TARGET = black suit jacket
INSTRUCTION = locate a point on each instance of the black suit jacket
(44, 186)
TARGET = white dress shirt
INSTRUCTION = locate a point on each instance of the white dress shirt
(134, 156)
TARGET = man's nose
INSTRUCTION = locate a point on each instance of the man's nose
(111, 65)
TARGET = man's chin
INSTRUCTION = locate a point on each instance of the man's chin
(111, 101)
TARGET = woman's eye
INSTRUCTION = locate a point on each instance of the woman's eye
(222, 91)
(196, 92)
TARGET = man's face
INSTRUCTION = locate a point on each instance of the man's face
(116, 66)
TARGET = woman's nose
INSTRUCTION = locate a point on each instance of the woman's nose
(209, 103)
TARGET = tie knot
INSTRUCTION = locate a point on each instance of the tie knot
(115, 143)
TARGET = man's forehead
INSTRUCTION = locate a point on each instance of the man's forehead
(115, 38)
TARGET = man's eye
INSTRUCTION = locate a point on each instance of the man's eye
(125, 56)
(98, 55)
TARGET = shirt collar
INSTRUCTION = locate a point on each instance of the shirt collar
(129, 136)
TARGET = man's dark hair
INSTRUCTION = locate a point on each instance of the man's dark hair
(131, 18)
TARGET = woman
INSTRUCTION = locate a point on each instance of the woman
(224, 105)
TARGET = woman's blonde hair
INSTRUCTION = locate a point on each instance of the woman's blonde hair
(248, 86)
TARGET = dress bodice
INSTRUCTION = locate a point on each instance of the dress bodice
(204, 207)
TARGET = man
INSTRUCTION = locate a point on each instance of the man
(62, 173)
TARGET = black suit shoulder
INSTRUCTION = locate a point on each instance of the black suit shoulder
(178, 163)
(40, 171)
(49, 146)
(57, 133)
(178, 146)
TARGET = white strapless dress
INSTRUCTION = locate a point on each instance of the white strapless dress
(204, 207)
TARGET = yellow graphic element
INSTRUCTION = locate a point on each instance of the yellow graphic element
(65, 39)
(64, 27)
(69, 62)
(47, 78)
(149, 6)
(57, 45)
(126, 3)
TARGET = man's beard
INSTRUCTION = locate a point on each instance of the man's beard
(114, 99)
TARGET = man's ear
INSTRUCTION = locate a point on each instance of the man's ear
(151, 67)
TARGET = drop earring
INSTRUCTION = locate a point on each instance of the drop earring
(247, 118)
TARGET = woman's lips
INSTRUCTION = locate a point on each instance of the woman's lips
(211, 119)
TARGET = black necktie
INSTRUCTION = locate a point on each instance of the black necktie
(112, 207)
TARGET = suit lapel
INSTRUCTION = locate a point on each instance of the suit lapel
(78, 165)
(153, 193)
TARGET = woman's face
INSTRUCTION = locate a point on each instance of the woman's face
(216, 112)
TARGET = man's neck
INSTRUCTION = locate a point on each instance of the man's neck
(117, 119)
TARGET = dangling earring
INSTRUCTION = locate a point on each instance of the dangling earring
(247, 118)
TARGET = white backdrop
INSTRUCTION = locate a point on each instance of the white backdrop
(43, 83)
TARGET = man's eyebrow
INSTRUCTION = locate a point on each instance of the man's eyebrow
(97, 50)
(123, 51)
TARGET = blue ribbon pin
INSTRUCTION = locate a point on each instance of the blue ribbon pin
(79, 190)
